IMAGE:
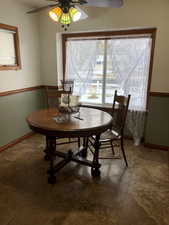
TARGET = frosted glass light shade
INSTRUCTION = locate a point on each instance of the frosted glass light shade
(65, 18)
(75, 14)
(55, 14)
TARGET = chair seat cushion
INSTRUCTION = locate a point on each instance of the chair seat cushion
(110, 135)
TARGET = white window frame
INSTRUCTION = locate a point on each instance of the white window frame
(105, 35)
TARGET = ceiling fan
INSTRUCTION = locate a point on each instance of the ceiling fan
(67, 11)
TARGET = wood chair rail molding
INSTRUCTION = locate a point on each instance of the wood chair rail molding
(5, 93)
(162, 94)
(12, 92)
(17, 91)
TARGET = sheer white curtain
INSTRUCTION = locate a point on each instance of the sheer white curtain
(81, 59)
(125, 68)
(131, 58)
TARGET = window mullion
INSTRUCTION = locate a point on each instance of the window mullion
(104, 72)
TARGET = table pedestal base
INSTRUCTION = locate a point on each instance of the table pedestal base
(78, 157)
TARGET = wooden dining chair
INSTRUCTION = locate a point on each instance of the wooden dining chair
(53, 99)
(116, 133)
(53, 96)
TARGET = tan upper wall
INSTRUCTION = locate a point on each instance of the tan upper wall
(13, 13)
(134, 14)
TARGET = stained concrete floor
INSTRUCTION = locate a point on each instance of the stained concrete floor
(138, 195)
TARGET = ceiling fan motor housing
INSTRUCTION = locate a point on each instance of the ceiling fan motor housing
(65, 5)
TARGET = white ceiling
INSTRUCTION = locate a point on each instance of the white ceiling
(39, 3)
(33, 3)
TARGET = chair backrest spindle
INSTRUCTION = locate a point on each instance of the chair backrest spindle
(119, 111)
(67, 85)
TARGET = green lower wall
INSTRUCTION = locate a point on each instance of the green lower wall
(157, 126)
(15, 108)
(13, 111)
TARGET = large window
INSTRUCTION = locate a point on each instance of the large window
(102, 62)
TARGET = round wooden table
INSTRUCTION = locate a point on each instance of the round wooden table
(89, 122)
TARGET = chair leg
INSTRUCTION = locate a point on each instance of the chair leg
(78, 142)
(95, 171)
(124, 155)
(112, 147)
(46, 157)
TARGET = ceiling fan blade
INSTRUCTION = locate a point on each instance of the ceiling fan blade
(56, 1)
(41, 8)
(105, 3)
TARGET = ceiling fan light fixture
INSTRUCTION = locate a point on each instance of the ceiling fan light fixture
(58, 15)
(67, 11)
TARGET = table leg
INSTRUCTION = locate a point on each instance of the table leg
(51, 144)
(46, 157)
(83, 152)
(96, 165)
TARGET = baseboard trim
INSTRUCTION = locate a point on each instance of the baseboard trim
(158, 147)
(16, 141)
(28, 135)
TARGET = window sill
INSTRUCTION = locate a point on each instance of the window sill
(106, 108)
(10, 67)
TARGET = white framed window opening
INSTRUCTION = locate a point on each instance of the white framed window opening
(101, 66)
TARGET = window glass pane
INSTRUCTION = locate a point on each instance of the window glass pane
(85, 66)
(128, 69)
(7, 53)
(124, 62)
